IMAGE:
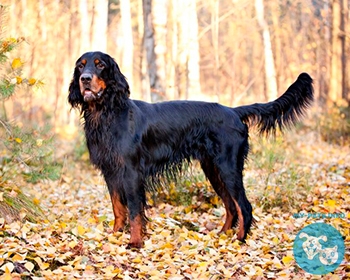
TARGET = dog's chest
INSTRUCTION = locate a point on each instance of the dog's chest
(103, 146)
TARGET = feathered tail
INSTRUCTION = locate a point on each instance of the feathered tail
(284, 111)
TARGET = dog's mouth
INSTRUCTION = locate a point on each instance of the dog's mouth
(91, 95)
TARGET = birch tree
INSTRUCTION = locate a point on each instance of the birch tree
(188, 48)
(128, 50)
(85, 26)
(270, 72)
(99, 26)
(338, 89)
(160, 20)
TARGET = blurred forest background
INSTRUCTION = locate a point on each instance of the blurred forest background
(231, 51)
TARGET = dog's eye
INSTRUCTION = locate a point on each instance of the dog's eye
(100, 65)
(81, 66)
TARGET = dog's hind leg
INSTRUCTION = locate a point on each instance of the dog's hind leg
(213, 176)
(230, 167)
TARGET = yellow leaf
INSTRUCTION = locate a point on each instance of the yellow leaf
(63, 225)
(19, 80)
(31, 81)
(72, 244)
(277, 263)
(113, 239)
(29, 266)
(167, 246)
(18, 140)
(91, 220)
(215, 200)
(100, 227)
(17, 63)
(330, 203)
(18, 258)
(8, 267)
(39, 142)
(137, 260)
(44, 265)
(6, 276)
(81, 230)
(275, 240)
(36, 201)
(287, 259)
(11, 40)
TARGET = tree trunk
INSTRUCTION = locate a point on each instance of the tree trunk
(270, 72)
(173, 89)
(85, 27)
(159, 20)
(188, 49)
(215, 40)
(157, 89)
(128, 50)
(343, 35)
(99, 26)
(145, 92)
(335, 88)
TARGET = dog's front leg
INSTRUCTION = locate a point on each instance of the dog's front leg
(119, 211)
(136, 200)
(119, 206)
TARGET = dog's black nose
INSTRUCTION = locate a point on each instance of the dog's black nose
(86, 78)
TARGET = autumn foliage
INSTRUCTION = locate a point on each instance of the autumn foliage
(55, 210)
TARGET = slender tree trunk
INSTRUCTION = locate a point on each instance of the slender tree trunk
(99, 26)
(148, 43)
(343, 31)
(160, 19)
(188, 48)
(215, 40)
(85, 27)
(173, 89)
(270, 72)
(157, 88)
(128, 49)
(336, 77)
(143, 73)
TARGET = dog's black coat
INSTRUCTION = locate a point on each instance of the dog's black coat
(131, 141)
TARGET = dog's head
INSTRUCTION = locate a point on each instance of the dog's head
(312, 245)
(96, 79)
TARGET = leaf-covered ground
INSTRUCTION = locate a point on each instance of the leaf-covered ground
(286, 181)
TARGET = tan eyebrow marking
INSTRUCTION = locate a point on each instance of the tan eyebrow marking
(83, 61)
(96, 61)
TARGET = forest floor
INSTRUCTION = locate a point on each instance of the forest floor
(290, 181)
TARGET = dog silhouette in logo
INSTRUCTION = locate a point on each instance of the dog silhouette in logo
(312, 245)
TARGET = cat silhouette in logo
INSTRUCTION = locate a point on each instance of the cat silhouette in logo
(312, 245)
(329, 256)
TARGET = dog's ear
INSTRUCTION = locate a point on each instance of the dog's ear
(120, 83)
(75, 98)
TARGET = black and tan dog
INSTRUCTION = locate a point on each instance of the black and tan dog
(131, 141)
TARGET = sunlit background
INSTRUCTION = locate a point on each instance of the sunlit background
(233, 52)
